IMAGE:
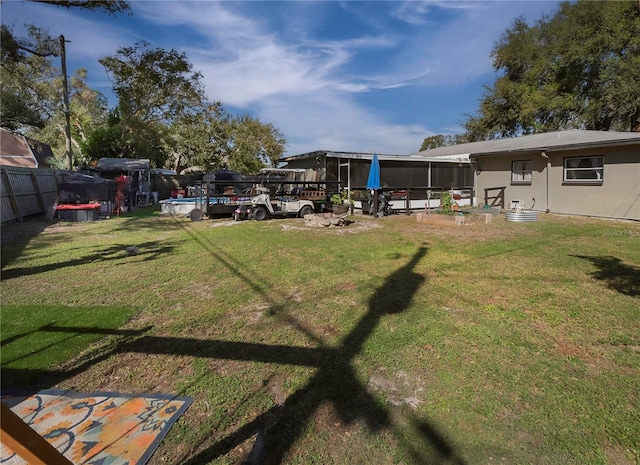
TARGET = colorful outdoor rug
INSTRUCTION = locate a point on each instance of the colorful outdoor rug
(102, 428)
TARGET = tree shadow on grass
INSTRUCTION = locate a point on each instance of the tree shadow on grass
(16, 236)
(30, 380)
(277, 429)
(142, 252)
(334, 381)
(616, 274)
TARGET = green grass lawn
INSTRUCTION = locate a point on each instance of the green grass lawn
(388, 341)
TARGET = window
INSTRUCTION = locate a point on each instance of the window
(584, 169)
(521, 172)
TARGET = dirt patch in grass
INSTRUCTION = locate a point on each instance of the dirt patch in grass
(398, 387)
(472, 229)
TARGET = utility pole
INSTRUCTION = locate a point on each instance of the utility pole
(65, 94)
(65, 97)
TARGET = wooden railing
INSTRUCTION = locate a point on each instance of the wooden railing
(424, 197)
(496, 200)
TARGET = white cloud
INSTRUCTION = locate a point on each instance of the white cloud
(279, 64)
(300, 86)
(412, 12)
(321, 122)
(419, 12)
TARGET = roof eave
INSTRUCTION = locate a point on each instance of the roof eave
(461, 158)
(575, 146)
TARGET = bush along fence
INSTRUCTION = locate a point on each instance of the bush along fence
(27, 192)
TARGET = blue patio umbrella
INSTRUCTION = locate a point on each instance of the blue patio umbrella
(374, 174)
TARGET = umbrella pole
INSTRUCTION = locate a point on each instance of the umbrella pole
(375, 203)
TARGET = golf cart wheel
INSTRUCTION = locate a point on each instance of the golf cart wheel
(306, 210)
(259, 213)
(236, 216)
(196, 214)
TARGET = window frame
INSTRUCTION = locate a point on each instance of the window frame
(524, 172)
(597, 180)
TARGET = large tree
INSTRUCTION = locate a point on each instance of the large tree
(213, 139)
(31, 99)
(252, 145)
(27, 72)
(579, 68)
(27, 96)
(31, 94)
(163, 115)
(156, 89)
(199, 139)
(88, 112)
(440, 140)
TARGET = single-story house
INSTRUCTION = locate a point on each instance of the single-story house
(18, 150)
(578, 172)
(417, 172)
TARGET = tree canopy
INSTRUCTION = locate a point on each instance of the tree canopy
(27, 75)
(162, 112)
(579, 68)
(31, 99)
(31, 94)
(110, 6)
(155, 89)
(440, 140)
(163, 115)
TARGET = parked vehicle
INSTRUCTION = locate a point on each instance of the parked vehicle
(262, 207)
(243, 212)
(384, 204)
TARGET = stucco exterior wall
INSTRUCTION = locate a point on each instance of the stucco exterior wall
(617, 196)
(493, 172)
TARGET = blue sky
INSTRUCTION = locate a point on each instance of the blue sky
(332, 75)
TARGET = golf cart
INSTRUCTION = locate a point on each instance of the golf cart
(283, 203)
(262, 207)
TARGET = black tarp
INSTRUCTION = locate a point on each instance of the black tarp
(80, 188)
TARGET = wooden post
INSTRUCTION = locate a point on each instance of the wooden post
(408, 201)
(36, 186)
(24, 441)
(12, 196)
(66, 107)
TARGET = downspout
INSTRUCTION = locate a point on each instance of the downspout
(475, 186)
(546, 157)
(474, 165)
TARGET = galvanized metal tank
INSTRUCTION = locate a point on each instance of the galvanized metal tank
(521, 216)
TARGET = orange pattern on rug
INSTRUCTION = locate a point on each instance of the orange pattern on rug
(98, 428)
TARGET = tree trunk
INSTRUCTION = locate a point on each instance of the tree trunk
(635, 122)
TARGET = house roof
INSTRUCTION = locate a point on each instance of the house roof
(572, 139)
(18, 150)
(118, 164)
(417, 157)
(41, 151)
